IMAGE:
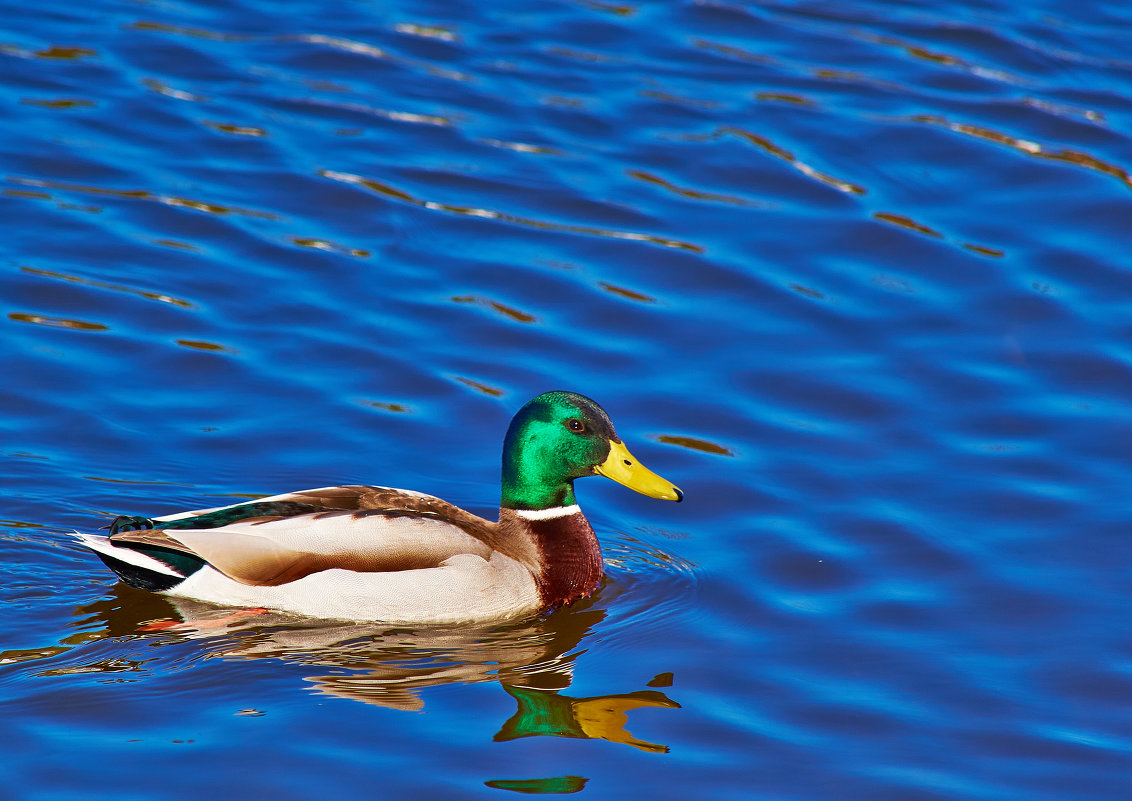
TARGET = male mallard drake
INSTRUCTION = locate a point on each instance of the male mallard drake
(376, 553)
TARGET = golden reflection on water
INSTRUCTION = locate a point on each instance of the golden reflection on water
(695, 444)
(946, 59)
(32, 195)
(679, 100)
(24, 193)
(173, 243)
(386, 407)
(900, 220)
(809, 292)
(142, 194)
(157, 296)
(788, 157)
(209, 347)
(1030, 148)
(330, 247)
(59, 103)
(236, 130)
(478, 387)
(54, 52)
(81, 207)
(26, 455)
(507, 311)
(56, 322)
(906, 222)
(626, 293)
(850, 76)
(610, 8)
(778, 97)
(732, 51)
(695, 194)
(196, 33)
(490, 214)
(138, 481)
(66, 52)
(983, 250)
(335, 42)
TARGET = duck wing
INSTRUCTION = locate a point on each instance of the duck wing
(282, 538)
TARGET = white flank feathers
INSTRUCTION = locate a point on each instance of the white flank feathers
(465, 588)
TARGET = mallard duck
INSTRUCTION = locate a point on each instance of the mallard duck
(378, 553)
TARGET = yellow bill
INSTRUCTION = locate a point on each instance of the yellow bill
(623, 468)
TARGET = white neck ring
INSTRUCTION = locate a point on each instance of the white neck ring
(548, 514)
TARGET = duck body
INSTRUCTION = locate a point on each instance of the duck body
(377, 553)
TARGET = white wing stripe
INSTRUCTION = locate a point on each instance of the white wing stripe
(127, 555)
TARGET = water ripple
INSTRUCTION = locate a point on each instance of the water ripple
(471, 211)
(141, 194)
(850, 274)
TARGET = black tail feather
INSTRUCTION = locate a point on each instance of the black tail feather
(140, 577)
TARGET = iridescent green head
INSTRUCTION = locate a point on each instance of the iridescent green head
(561, 436)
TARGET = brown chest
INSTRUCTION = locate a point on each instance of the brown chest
(571, 558)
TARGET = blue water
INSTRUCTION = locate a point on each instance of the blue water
(854, 275)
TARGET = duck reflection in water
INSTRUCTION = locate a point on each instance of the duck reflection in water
(389, 666)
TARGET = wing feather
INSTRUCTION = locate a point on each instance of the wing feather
(282, 538)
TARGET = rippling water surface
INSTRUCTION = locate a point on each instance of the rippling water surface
(854, 275)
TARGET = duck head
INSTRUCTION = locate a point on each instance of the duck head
(560, 436)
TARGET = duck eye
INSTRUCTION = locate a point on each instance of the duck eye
(575, 425)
